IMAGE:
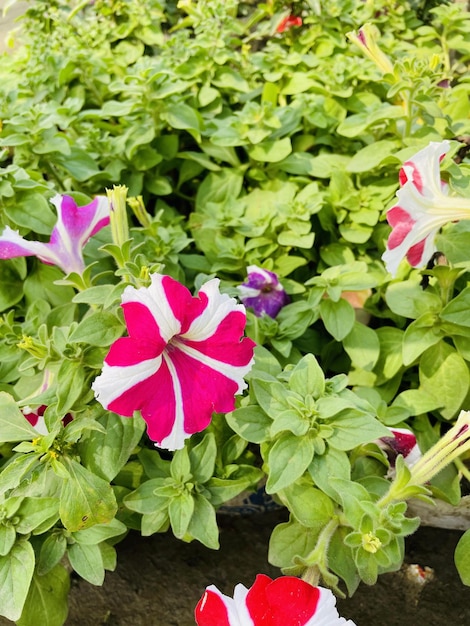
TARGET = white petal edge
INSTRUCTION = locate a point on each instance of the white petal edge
(218, 307)
(114, 380)
(326, 613)
(154, 298)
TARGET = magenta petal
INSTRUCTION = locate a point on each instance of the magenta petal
(141, 323)
(415, 254)
(80, 223)
(184, 307)
(155, 398)
(203, 390)
(396, 216)
(225, 344)
(211, 611)
(144, 342)
(127, 351)
(9, 250)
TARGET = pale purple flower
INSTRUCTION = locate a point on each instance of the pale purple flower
(75, 225)
(263, 292)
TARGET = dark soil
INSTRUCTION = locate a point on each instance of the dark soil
(159, 580)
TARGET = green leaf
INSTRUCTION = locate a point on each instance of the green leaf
(462, 558)
(271, 151)
(98, 329)
(203, 458)
(87, 561)
(79, 164)
(411, 300)
(333, 463)
(16, 572)
(444, 375)
(7, 538)
(11, 288)
(419, 336)
(371, 156)
(352, 427)
(203, 525)
(13, 424)
(31, 210)
(70, 384)
(47, 600)
(362, 346)
(85, 499)
(457, 309)
(338, 317)
(12, 474)
(288, 459)
(52, 551)
(106, 453)
(180, 510)
(100, 532)
(250, 422)
(289, 540)
(307, 377)
(310, 506)
(183, 117)
(34, 511)
(143, 499)
(39, 285)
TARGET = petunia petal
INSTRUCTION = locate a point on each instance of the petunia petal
(285, 601)
(217, 609)
(13, 245)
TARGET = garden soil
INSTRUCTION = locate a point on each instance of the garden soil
(159, 579)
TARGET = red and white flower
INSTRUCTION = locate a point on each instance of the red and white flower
(424, 206)
(75, 225)
(285, 601)
(289, 21)
(36, 418)
(183, 360)
(401, 441)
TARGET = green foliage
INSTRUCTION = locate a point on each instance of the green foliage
(240, 146)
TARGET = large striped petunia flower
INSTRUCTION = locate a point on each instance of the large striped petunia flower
(423, 207)
(285, 601)
(75, 225)
(184, 359)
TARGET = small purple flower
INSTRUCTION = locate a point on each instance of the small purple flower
(263, 292)
(75, 225)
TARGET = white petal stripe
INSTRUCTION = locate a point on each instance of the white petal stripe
(114, 380)
(154, 298)
(232, 372)
(175, 440)
(218, 307)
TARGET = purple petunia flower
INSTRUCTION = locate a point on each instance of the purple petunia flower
(75, 225)
(263, 292)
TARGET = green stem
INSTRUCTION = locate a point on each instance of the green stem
(77, 9)
(463, 469)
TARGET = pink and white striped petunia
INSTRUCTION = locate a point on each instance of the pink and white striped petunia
(285, 601)
(184, 359)
(75, 225)
(423, 207)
